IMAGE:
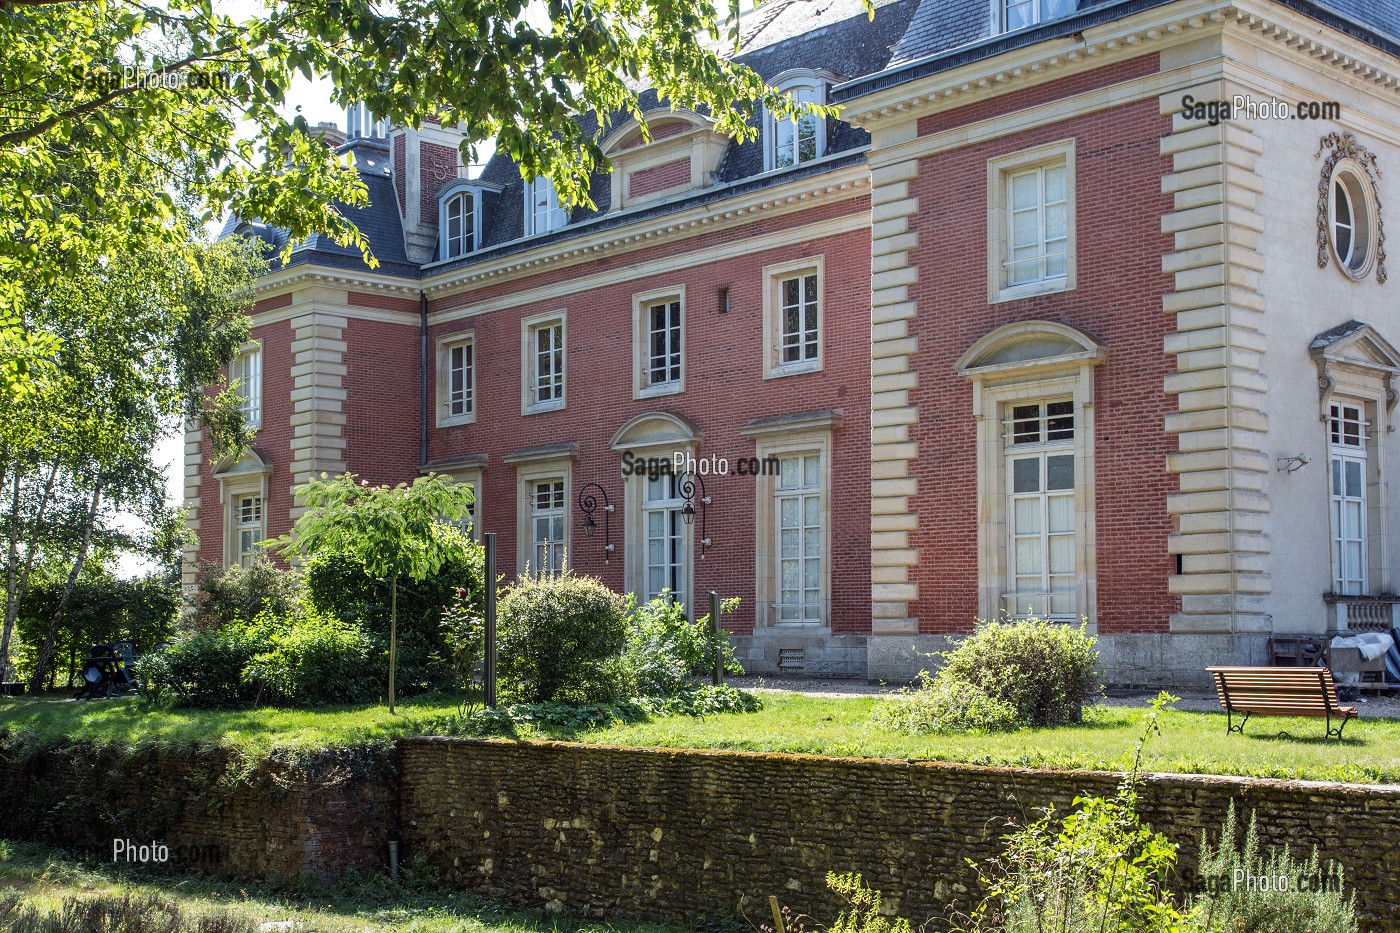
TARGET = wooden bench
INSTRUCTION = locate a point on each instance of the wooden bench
(1279, 691)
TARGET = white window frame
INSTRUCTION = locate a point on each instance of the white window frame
(528, 472)
(530, 403)
(554, 216)
(1039, 601)
(683, 568)
(1000, 171)
(811, 437)
(797, 83)
(642, 303)
(249, 386)
(468, 226)
(1348, 580)
(1001, 14)
(1361, 198)
(246, 557)
(446, 417)
(773, 278)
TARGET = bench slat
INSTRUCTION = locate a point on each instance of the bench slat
(1279, 691)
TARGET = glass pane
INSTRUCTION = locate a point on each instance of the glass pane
(791, 575)
(1025, 191)
(1062, 554)
(811, 471)
(790, 513)
(1056, 265)
(1059, 471)
(1027, 516)
(811, 511)
(788, 472)
(1352, 526)
(811, 543)
(1337, 477)
(1343, 203)
(1025, 230)
(1354, 479)
(1056, 222)
(1028, 556)
(812, 574)
(1026, 475)
(1059, 421)
(789, 541)
(1020, 15)
(1061, 514)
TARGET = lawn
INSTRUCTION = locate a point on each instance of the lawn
(45, 879)
(1190, 742)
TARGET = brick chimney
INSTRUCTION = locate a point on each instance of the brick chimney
(424, 160)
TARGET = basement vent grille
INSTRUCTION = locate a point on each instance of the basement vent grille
(792, 660)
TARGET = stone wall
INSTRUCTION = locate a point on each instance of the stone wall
(673, 835)
(272, 819)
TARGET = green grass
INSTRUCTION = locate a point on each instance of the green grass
(131, 721)
(46, 878)
(1193, 743)
(1189, 743)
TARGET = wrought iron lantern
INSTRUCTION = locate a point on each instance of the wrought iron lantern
(588, 504)
(687, 485)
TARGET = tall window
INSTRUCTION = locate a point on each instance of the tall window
(1040, 480)
(248, 378)
(461, 379)
(249, 517)
(544, 347)
(800, 336)
(665, 547)
(1348, 436)
(799, 516)
(1018, 14)
(1039, 224)
(543, 212)
(663, 343)
(547, 518)
(460, 218)
(799, 140)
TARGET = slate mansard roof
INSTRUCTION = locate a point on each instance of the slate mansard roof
(906, 40)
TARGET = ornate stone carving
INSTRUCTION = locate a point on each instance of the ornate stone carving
(1345, 146)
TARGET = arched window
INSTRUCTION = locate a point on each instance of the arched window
(459, 218)
(790, 142)
(543, 212)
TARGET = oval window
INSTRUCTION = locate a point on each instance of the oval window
(1351, 221)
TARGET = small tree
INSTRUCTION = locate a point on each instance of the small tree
(389, 529)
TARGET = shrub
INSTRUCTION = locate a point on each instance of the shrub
(553, 718)
(205, 668)
(313, 659)
(943, 704)
(339, 585)
(1045, 671)
(560, 639)
(464, 637)
(239, 594)
(1099, 869)
(1310, 900)
(664, 648)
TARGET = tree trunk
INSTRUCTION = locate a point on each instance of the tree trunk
(46, 652)
(18, 584)
(393, 637)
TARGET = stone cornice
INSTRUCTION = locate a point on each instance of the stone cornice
(290, 278)
(776, 200)
(1134, 35)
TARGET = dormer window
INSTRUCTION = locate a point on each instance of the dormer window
(1018, 14)
(461, 204)
(790, 142)
(542, 210)
(361, 123)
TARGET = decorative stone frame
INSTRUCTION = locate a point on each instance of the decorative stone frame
(246, 476)
(531, 465)
(653, 434)
(999, 170)
(641, 351)
(445, 344)
(1346, 156)
(790, 435)
(794, 79)
(1356, 364)
(697, 141)
(472, 471)
(1027, 361)
(528, 406)
(772, 308)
